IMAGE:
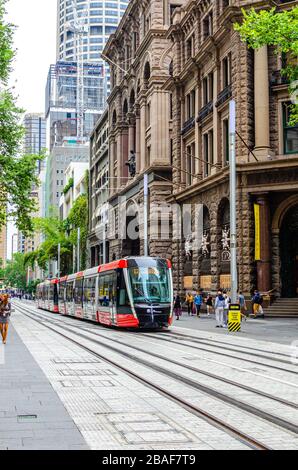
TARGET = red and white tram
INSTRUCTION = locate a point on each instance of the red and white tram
(47, 295)
(135, 292)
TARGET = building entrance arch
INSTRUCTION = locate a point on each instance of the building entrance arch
(289, 253)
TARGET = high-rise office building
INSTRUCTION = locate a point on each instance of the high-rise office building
(61, 101)
(35, 133)
(101, 18)
(34, 143)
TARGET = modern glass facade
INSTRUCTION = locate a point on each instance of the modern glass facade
(35, 133)
(101, 18)
(61, 96)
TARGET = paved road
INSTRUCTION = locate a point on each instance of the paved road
(278, 330)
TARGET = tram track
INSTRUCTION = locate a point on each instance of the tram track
(194, 384)
(221, 353)
(223, 345)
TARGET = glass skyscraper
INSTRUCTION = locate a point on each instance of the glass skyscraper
(102, 19)
(35, 133)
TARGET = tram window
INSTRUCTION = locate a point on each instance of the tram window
(89, 290)
(78, 291)
(61, 291)
(105, 289)
(123, 297)
(69, 292)
(150, 284)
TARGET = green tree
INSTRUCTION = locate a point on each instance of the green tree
(54, 231)
(14, 274)
(17, 174)
(78, 218)
(280, 30)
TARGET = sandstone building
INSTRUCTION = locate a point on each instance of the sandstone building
(179, 63)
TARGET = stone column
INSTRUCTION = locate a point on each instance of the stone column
(160, 137)
(264, 265)
(216, 128)
(262, 119)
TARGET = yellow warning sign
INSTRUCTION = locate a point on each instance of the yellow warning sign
(234, 318)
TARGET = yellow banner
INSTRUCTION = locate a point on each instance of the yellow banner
(257, 233)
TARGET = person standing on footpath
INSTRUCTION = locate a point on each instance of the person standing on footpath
(209, 303)
(189, 303)
(177, 307)
(198, 300)
(257, 301)
(242, 304)
(5, 312)
(219, 309)
(226, 309)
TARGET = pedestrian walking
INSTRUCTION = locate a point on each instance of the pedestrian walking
(257, 301)
(219, 309)
(209, 304)
(5, 312)
(198, 300)
(177, 307)
(189, 302)
(226, 309)
(242, 304)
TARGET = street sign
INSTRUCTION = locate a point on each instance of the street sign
(234, 318)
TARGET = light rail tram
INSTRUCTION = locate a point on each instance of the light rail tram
(134, 292)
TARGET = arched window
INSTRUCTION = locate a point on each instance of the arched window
(132, 99)
(147, 71)
(114, 118)
(125, 107)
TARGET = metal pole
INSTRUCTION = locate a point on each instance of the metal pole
(145, 214)
(74, 259)
(233, 193)
(104, 251)
(59, 252)
(78, 249)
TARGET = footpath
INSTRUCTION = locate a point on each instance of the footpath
(31, 414)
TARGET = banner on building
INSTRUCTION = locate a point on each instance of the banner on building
(257, 233)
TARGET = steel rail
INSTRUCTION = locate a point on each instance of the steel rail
(210, 391)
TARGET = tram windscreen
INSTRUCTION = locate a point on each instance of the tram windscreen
(150, 284)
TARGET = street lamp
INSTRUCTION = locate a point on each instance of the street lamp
(233, 189)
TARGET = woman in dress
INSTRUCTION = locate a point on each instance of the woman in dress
(5, 312)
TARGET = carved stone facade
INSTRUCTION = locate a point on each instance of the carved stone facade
(209, 67)
(175, 66)
(139, 110)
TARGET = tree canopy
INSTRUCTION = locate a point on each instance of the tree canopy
(17, 173)
(64, 233)
(280, 30)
